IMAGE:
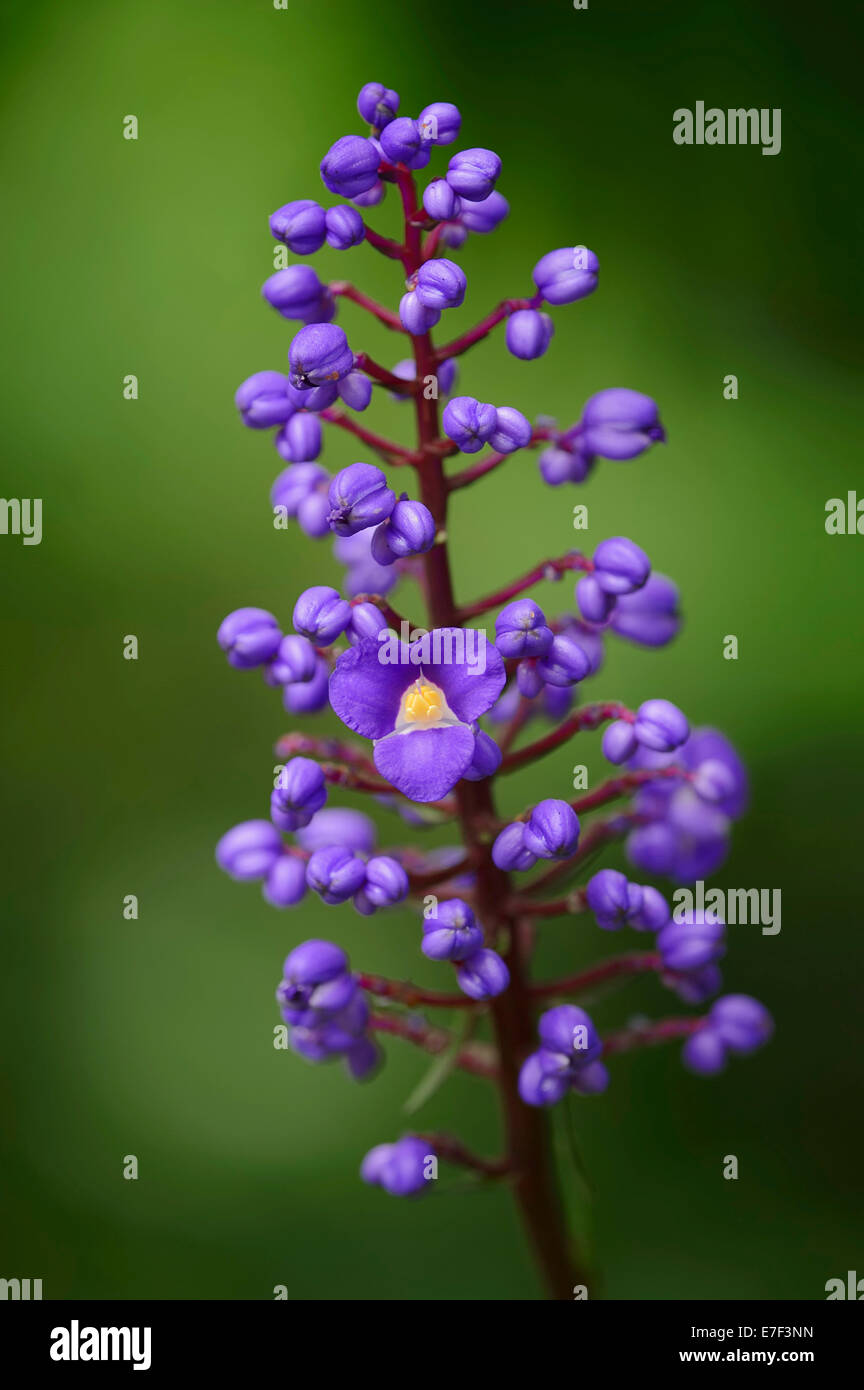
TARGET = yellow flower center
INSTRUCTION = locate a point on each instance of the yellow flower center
(423, 706)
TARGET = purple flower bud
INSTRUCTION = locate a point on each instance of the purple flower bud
(316, 981)
(295, 485)
(285, 885)
(619, 565)
(386, 884)
(319, 354)
(299, 441)
(543, 1079)
(409, 530)
(704, 1053)
(372, 197)
(399, 1168)
(469, 423)
(660, 725)
(338, 825)
(367, 620)
(570, 1032)
(335, 873)
(570, 465)
(595, 604)
(714, 781)
(313, 398)
(312, 514)
(355, 390)
(297, 293)
(453, 235)
(321, 614)
(696, 986)
(691, 944)
(472, 173)
(439, 122)
(414, 316)
(565, 663)
(529, 334)
(345, 228)
(591, 1080)
(249, 637)
(451, 933)
(649, 911)
(484, 214)
(362, 1059)
(308, 697)
(620, 424)
(447, 373)
(440, 202)
(300, 225)
(483, 975)
(619, 742)
(521, 630)
(650, 615)
(262, 400)
(512, 431)
(377, 104)
(296, 660)
(249, 850)
(567, 274)
(350, 166)
(359, 498)
(486, 760)
(510, 851)
(300, 791)
(608, 898)
(552, 831)
(528, 679)
(440, 284)
(402, 141)
(741, 1022)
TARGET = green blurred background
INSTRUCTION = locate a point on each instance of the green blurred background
(154, 1037)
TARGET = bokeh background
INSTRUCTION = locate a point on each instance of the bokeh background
(154, 1037)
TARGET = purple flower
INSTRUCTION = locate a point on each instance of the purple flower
(469, 423)
(484, 214)
(510, 851)
(619, 565)
(285, 884)
(386, 884)
(315, 977)
(418, 704)
(319, 354)
(472, 173)
(512, 431)
(350, 166)
(409, 530)
(440, 122)
(344, 228)
(300, 225)
(451, 933)
(521, 630)
(552, 831)
(649, 616)
(415, 316)
(336, 873)
(402, 141)
(529, 334)
(440, 202)
(483, 975)
(321, 614)
(567, 274)
(377, 104)
(355, 390)
(620, 424)
(359, 498)
(297, 293)
(299, 792)
(440, 284)
(299, 441)
(338, 825)
(698, 941)
(249, 637)
(399, 1168)
(249, 850)
(262, 400)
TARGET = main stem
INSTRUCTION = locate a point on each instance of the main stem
(527, 1129)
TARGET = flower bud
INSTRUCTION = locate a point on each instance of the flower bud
(620, 566)
(300, 225)
(299, 441)
(319, 354)
(297, 293)
(439, 122)
(529, 334)
(308, 697)
(510, 851)
(621, 424)
(650, 615)
(285, 885)
(249, 850)
(440, 202)
(350, 166)
(295, 660)
(335, 873)
(552, 831)
(484, 214)
(321, 614)
(483, 975)
(300, 791)
(619, 742)
(249, 637)
(469, 423)
(414, 316)
(377, 104)
(440, 284)
(386, 884)
(472, 173)
(262, 400)
(344, 228)
(355, 390)
(409, 530)
(567, 274)
(741, 1022)
(486, 760)
(512, 431)
(451, 933)
(359, 498)
(595, 604)
(402, 141)
(521, 630)
(660, 725)
(565, 663)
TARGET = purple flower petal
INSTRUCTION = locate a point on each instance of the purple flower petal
(426, 763)
(471, 686)
(365, 692)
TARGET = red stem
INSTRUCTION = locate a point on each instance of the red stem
(662, 1030)
(636, 964)
(549, 569)
(589, 717)
(349, 291)
(386, 449)
(482, 329)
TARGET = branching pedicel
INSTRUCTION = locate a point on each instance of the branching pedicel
(419, 696)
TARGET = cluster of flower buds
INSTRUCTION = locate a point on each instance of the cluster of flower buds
(450, 932)
(326, 1013)
(471, 424)
(568, 1058)
(401, 1168)
(550, 832)
(736, 1025)
(615, 424)
(545, 658)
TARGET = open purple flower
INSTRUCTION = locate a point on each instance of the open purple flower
(418, 704)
